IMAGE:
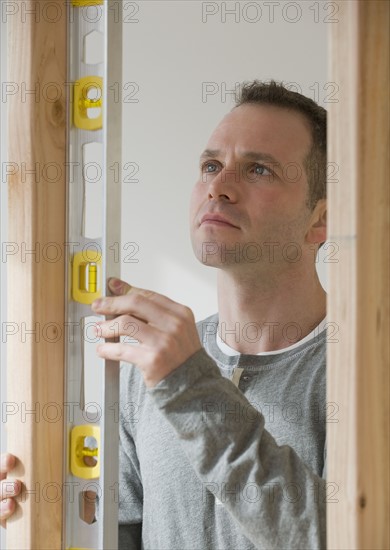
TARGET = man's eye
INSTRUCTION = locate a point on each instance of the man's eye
(261, 170)
(209, 167)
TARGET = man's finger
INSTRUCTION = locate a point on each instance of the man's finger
(7, 462)
(122, 352)
(154, 310)
(124, 325)
(121, 288)
(7, 508)
(118, 287)
(9, 489)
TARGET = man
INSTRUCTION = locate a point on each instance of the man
(222, 423)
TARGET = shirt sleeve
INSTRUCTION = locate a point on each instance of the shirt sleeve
(274, 497)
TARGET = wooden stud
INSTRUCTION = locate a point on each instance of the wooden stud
(358, 364)
(37, 206)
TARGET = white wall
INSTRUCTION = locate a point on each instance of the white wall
(170, 53)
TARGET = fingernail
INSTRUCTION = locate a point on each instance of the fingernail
(12, 488)
(7, 462)
(97, 303)
(5, 505)
(100, 349)
(115, 284)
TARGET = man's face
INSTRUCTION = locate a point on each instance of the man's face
(252, 178)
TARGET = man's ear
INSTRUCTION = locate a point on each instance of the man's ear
(316, 233)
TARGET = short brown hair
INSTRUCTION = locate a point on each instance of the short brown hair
(275, 93)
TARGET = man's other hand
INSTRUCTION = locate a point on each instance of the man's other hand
(8, 489)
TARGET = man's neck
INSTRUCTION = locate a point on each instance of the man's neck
(259, 312)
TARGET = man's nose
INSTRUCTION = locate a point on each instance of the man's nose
(226, 183)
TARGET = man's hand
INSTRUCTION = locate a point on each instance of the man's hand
(8, 489)
(165, 330)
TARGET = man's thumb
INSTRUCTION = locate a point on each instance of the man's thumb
(118, 287)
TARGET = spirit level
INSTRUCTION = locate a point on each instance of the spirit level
(92, 384)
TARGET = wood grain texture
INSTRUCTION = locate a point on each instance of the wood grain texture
(358, 365)
(37, 206)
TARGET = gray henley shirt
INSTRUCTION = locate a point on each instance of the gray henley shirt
(207, 465)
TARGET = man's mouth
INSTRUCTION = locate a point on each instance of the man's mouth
(217, 219)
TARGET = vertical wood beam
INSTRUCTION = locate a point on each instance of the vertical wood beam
(358, 365)
(37, 206)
